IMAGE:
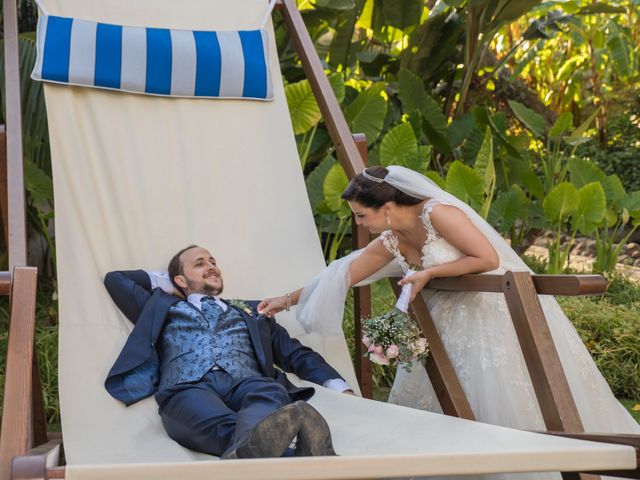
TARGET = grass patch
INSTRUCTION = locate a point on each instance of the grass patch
(629, 405)
(611, 333)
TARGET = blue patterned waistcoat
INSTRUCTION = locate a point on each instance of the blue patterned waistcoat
(193, 342)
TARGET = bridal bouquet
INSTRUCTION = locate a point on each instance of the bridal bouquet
(393, 337)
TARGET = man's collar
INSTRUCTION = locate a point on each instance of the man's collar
(195, 299)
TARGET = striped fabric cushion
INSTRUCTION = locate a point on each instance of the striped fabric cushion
(156, 61)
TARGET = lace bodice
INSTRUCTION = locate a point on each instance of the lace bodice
(435, 251)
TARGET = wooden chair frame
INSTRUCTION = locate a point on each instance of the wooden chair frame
(27, 451)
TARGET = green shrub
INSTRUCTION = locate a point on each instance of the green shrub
(611, 333)
(621, 155)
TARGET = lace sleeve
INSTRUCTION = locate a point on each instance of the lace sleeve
(390, 242)
(432, 233)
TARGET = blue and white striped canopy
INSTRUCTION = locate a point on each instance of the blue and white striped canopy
(156, 61)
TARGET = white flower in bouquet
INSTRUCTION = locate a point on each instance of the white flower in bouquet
(393, 337)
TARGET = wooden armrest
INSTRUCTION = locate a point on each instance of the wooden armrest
(545, 284)
(615, 438)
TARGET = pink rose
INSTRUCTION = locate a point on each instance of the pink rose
(378, 350)
(393, 351)
(379, 359)
(366, 340)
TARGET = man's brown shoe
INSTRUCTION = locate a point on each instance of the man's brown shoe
(314, 437)
(271, 437)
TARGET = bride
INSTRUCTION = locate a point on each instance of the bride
(423, 227)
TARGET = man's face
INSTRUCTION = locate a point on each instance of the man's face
(200, 273)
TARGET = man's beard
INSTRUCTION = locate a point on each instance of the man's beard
(206, 288)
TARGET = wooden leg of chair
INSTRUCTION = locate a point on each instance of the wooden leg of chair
(439, 368)
(361, 295)
(362, 309)
(37, 400)
(15, 437)
(549, 381)
(4, 189)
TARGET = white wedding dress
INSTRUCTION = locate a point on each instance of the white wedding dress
(476, 329)
(478, 334)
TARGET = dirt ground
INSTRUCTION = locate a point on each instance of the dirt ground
(582, 263)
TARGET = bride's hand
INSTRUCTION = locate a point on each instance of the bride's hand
(418, 280)
(270, 306)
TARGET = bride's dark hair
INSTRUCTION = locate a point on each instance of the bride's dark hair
(372, 194)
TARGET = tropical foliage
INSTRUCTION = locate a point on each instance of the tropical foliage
(494, 100)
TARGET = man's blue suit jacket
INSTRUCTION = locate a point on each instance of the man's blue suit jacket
(135, 373)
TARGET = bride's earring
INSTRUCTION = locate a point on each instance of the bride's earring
(386, 214)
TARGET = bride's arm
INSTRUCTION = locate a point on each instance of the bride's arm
(373, 258)
(456, 228)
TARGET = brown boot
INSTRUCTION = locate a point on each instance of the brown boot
(314, 437)
(271, 437)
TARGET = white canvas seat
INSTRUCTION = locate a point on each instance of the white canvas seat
(137, 178)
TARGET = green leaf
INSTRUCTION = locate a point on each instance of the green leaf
(367, 112)
(38, 183)
(340, 50)
(465, 183)
(485, 166)
(334, 184)
(561, 202)
(530, 119)
(600, 7)
(398, 145)
(536, 217)
(507, 208)
(632, 203)
(472, 145)
(533, 184)
(315, 182)
(435, 125)
(591, 208)
(619, 49)
(413, 96)
(484, 161)
(436, 178)
(578, 134)
(410, 90)
(304, 110)
(461, 129)
(402, 13)
(510, 10)
(337, 85)
(563, 123)
(614, 190)
(339, 5)
(583, 172)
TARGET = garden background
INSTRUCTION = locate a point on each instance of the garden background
(528, 110)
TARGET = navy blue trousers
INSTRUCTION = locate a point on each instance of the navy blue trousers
(216, 412)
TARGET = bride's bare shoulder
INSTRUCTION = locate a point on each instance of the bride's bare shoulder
(442, 215)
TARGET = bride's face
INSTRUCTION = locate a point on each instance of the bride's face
(373, 219)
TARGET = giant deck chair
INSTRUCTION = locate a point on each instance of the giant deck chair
(138, 177)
